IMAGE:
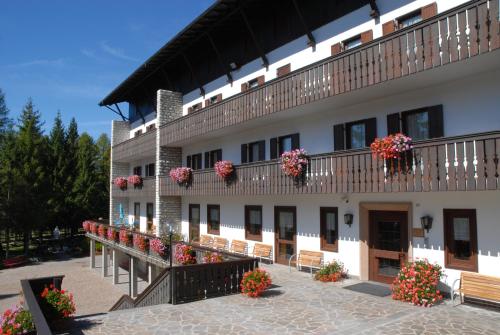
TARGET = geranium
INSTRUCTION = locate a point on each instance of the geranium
(157, 246)
(102, 230)
(112, 234)
(86, 225)
(185, 254)
(224, 169)
(255, 282)
(181, 175)
(331, 272)
(141, 243)
(391, 146)
(93, 227)
(135, 180)
(16, 321)
(125, 237)
(417, 283)
(212, 257)
(121, 182)
(294, 163)
(59, 303)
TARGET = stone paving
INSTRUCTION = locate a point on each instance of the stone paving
(296, 305)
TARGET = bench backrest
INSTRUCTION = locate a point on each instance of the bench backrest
(307, 258)
(262, 250)
(239, 247)
(206, 240)
(480, 286)
(219, 243)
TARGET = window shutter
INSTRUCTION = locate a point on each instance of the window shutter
(367, 36)
(338, 137)
(393, 124)
(336, 48)
(436, 121)
(244, 153)
(283, 70)
(218, 155)
(188, 161)
(429, 11)
(261, 80)
(388, 27)
(273, 147)
(198, 161)
(295, 141)
(219, 97)
(244, 87)
(370, 131)
(207, 102)
(207, 160)
(262, 150)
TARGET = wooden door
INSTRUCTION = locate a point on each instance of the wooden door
(285, 232)
(388, 244)
(194, 222)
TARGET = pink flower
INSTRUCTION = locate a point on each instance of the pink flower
(121, 182)
(294, 163)
(181, 175)
(135, 180)
(224, 169)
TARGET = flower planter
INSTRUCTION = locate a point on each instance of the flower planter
(125, 237)
(141, 243)
(226, 171)
(121, 183)
(135, 180)
(181, 175)
(112, 235)
(185, 254)
(102, 231)
(294, 164)
(157, 248)
(93, 228)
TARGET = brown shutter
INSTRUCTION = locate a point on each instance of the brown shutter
(283, 70)
(262, 150)
(370, 131)
(295, 141)
(207, 160)
(244, 87)
(367, 36)
(273, 147)
(218, 155)
(207, 102)
(338, 137)
(436, 121)
(393, 124)
(429, 11)
(188, 161)
(244, 153)
(219, 97)
(336, 48)
(388, 27)
(198, 161)
(261, 80)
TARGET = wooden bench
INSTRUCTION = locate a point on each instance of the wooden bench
(477, 286)
(15, 261)
(261, 251)
(220, 243)
(206, 241)
(306, 258)
(239, 247)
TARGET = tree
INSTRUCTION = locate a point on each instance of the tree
(71, 156)
(103, 146)
(5, 121)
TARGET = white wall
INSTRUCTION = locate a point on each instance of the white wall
(428, 203)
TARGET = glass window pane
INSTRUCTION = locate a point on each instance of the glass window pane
(352, 43)
(409, 20)
(254, 151)
(357, 136)
(254, 222)
(461, 235)
(417, 125)
(286, 225)
(331, 227)
(286, 144)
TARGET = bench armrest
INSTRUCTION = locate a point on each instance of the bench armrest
(453, 289)
(290, 262)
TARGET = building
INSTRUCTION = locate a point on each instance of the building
(249, 80)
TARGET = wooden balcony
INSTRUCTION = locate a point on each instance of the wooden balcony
(147, 190)
(456, 35)
(135, 148)
(466, 163)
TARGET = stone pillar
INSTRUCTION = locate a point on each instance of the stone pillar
(133, 276)
(92, 254)
(104, 261)
(120, 131)
(115, 267)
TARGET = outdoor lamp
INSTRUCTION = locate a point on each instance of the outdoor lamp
(348, 219)
(426, 222)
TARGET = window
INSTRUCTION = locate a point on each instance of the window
(354, 135)
(329, 228)
(352, 42)
(194, 161)
(253, 83)
(137, 170)
(283, 70)
(253, 152)
(211, 157)
(253, 223)
(151, 127)
(195, 107)
(213, 219)
(460, 239)
(150, 170)
(138, 133)
(137, 214)
(213, 100)
(149, 212)
(409, 19)
(284, 143)
(420, 124)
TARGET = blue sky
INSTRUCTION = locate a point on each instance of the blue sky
(67, 55)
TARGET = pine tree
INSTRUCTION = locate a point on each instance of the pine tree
(71, 151)
(5, 121)
(103, 146)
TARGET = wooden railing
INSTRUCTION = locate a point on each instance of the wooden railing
(461, 33)
(146, 190)
(140, 146)
(465, 163)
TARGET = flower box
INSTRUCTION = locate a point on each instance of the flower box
(125, 237)
(185, 254)
(181, 175)
(135, 180)
(225, 170)
(57, 304)
(93, 228)
(86, 226)
(141, 243)
(121, 183)
(102, 231)
(112, 235)
(212, 257)
(157, 247)
(294, 164)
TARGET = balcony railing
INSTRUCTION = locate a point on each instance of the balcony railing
(146, 190)
(467, 163)
(141, 146)
(452, 36)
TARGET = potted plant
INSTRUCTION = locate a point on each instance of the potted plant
(141, 243)
(181, 175)
(157, 247)
(125, 237)
(331, 272)
(86, 226)
(135, 180)
(112, 234)
(255, 282)
(57, 304)
(212, 257)
(16, 321)
(294, 164)
(93, 228)
(121, 183)
(102, 231)
(225, 170)
(395, 150)
(185, 254)
(417, 283)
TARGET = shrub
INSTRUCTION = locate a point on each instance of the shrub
(16, 321)
(141, 243)
(185, 254)
(417, 283)
(255, 282)
(331, 272)
(212, 257)
(58, 303)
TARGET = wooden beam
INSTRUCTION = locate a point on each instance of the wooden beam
(265, 62)
(167, 78)
(119, 113)
(310, 37)
(374, 9)
(225, 66)
(188, 63)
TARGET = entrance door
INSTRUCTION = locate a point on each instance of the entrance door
(285, 230)
(194, 222)
(388, 244)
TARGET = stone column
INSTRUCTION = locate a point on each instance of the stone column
(115, 267)
(120, 131)
(133, 276)
(104, 261)
(92, 254)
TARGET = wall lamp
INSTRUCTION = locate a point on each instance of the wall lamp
(348, 219)
(426, 222)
